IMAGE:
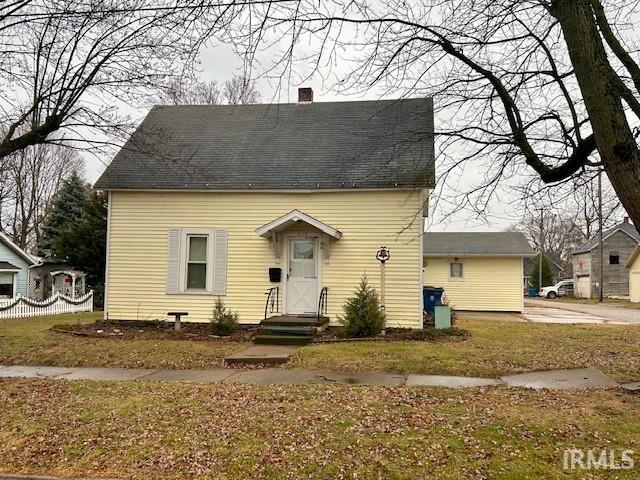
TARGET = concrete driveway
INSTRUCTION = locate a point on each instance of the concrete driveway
(550, 311)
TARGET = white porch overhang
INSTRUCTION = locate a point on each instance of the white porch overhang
(272, 230)
(292, 218)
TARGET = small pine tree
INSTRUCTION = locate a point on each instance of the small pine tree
(547, 273)
(66, 210)
(362, 314)
(223, 321)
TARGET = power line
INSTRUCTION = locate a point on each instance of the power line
(66, 13)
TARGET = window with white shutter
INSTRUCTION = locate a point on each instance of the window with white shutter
(197, 261)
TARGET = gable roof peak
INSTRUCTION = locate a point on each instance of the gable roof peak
(625, 227)
(12, 245)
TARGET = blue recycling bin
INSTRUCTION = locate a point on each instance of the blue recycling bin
(533, 292)
(431, 297)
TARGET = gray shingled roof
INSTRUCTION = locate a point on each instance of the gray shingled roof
(592, 243)
(368, 144)
(476, 243)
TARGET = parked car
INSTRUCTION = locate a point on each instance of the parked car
(560, 289)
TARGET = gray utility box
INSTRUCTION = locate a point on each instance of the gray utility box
(442, 317)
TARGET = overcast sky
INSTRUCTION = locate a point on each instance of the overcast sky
(220, 63)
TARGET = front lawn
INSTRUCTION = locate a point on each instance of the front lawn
(494, 348)
(150, 430)
(29, 341)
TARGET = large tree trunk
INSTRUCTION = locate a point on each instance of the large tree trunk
(597, 80)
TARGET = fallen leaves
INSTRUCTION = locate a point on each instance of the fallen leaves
(150, 430)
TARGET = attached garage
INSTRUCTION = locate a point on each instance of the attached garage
(633, 265)
(478, 271)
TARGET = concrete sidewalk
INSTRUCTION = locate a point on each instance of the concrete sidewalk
(573, 379)
(567, 312)
(40, 477)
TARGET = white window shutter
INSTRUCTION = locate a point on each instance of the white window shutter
(173, 261)
(220, 263)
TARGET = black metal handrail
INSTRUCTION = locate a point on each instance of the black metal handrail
(322, 302)
(272, 304)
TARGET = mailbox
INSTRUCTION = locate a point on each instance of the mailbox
(275, 274)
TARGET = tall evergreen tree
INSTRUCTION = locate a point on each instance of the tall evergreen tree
(66, 210)
(83, 244)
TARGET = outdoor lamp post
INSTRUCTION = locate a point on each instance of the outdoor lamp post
(382, 256)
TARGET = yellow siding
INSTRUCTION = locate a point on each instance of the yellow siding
(139, 224)
(634, 280)
(489, 284)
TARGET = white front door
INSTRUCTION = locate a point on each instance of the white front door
(302, 276)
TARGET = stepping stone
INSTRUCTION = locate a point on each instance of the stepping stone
(570, 379)
(262, 354)
(297, 340)
(449, 381)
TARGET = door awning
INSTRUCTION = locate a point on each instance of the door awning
(292, 218)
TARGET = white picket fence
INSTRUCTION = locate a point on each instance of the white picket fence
(25, 307)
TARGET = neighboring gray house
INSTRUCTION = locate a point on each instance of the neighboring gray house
(14, 269)
(618, 245)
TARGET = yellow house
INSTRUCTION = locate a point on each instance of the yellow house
(277, 209)
(479, 271)
(633, 265)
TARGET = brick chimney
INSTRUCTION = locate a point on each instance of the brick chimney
(625, 219)
(305, 95)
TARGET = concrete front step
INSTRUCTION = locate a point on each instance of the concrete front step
(282, 340)
(287, 330)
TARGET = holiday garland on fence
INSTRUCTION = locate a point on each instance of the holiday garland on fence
(46, 303)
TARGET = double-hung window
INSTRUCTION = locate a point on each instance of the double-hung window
(456, 270)
(197, 270)
(7, 287)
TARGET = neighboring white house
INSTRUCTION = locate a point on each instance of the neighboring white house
(14, 269)
(478, 271)
(633, 265)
